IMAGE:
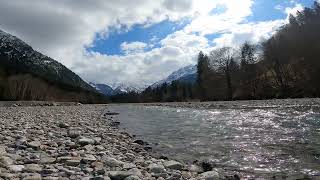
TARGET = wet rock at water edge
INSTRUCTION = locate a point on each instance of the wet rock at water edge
(147, 148)
(139, 141)
(110, 114)
(115, 123)
(207, 165)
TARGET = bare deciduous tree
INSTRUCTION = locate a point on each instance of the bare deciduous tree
(222, 59)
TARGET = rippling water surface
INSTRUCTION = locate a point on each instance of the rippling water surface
(256, 139)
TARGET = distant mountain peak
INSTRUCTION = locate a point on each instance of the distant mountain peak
(115, 88)
(187, 74)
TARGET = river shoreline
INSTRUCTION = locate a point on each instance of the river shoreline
(269, 103)
(80, 142)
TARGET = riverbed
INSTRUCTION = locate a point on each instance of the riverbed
(277, 138)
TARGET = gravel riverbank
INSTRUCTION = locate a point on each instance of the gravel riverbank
(80, 142)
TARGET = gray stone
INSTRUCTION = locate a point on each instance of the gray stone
(173, 165)
(63, 125)
(195, 168)
(97, 140)
(32, 168)
(85, 141)
(209, 175)
(111, 162)
(73, 162)
(89, 158)
(31, 176)
(132, 178)
(7, 175)
(156, 168)
(5, 161)
(74, 133)
(34, 144)
(46, 159)
(128, 165)
(2, 150)
(118, 175)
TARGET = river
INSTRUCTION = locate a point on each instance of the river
(254, 138)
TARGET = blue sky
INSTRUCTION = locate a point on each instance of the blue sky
(262, 10)
(139, 42)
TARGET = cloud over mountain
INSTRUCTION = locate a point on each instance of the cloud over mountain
(65, 29)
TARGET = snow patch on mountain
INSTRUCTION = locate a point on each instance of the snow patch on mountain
(187, 73)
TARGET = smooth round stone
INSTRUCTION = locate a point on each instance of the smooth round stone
(155, 168)
(173, 165)
(32, 168)
(85, 141)
(74, 133)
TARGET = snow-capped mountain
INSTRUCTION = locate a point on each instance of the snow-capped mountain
(186, 74)
(19, 57)
(125, 88)
(115, 88)
(103, 88)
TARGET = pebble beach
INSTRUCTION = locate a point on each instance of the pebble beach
(80, 142)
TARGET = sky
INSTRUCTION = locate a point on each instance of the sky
(139, 42)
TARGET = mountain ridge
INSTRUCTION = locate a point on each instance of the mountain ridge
(185, 74)
(26, 74)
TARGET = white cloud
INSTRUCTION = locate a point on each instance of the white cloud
(278, 7)
(254, 32)
(293, 10)
(63, 29)
(236, 12)
(133, 47)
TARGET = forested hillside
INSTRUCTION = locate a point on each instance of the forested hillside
(26, 74)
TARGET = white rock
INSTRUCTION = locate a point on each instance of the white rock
(16, 168)
(195, 168)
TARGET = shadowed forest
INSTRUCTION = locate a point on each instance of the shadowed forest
(285, 66)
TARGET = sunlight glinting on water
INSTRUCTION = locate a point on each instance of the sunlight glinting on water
(260, 141)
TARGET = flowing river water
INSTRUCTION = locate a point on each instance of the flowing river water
(279, 138)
